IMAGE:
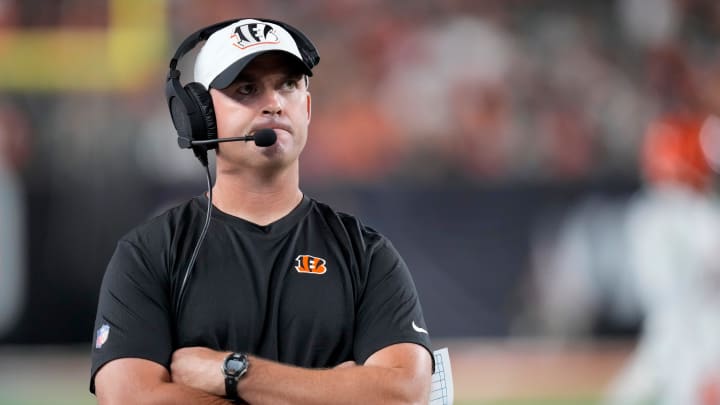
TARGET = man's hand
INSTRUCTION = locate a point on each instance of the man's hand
(199, 368)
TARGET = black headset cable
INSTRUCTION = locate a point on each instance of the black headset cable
(198, 244)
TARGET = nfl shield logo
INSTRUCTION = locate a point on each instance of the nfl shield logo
(102, 335)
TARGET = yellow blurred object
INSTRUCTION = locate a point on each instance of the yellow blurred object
(116, 58)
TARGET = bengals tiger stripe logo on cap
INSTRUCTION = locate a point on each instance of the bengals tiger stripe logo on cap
(254, 34)
(310, 264)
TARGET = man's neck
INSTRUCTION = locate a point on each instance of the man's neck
(261, 200)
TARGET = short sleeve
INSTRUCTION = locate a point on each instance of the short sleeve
(133, 316)
(389, 310)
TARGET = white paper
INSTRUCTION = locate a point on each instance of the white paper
(442, 391)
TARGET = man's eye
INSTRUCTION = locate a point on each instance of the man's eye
(245, 89)
(290, 84)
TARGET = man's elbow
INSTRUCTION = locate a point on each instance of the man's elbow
(106, 398)
(413, 389)
(139, 396)
(131, 381)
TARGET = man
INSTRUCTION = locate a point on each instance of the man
(289, 301)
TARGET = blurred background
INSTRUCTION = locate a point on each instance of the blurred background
(545, 167)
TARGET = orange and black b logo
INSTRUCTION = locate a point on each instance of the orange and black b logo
(310, 264)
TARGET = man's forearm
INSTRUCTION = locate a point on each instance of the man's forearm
(273, 383)
(138, 381)
(178, 394)
(164, 394)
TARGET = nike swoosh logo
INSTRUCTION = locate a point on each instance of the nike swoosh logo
(418, 329)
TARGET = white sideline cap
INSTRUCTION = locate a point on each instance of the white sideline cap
(228, 50)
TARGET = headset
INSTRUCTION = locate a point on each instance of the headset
(193, 116)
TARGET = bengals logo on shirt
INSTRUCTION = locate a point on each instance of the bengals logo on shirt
(310, 264)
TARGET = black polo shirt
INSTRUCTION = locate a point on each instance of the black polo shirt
(313, 289)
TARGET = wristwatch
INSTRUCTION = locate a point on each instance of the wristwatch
(234, 367)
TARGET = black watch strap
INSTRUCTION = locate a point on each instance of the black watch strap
(234, 367)
(231, 387)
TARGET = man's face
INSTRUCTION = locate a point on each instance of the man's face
(269, 93)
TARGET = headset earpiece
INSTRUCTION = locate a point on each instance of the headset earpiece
(203, 101)
(192, 114)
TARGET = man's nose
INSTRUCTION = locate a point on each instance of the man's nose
(273, 103)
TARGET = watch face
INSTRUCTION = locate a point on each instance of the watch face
(235, 365)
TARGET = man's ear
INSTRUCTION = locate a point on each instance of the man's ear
(309, 107)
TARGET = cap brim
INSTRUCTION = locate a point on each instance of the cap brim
(228, 75)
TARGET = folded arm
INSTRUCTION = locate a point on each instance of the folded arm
(397, 374)
(143, 382)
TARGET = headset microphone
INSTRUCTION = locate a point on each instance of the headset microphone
(264, 137)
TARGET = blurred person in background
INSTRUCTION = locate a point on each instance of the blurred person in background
(673, 237)
(14, 134)
(262, 321)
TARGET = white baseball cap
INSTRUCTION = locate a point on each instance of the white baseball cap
(228, 50)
